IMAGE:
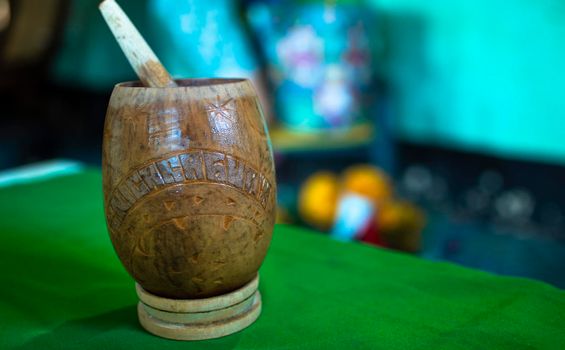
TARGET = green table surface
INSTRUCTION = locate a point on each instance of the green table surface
(63, 287)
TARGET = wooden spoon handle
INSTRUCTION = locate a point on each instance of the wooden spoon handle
(143, 60)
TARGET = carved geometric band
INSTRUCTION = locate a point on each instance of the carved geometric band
(194, 166)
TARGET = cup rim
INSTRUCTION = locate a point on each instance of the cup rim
(185, 83)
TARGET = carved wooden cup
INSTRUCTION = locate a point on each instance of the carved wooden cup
(189, 192)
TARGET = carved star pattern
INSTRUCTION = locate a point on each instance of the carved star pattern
(219, 109)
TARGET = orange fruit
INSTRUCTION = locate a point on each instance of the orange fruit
(403, 216)
(401, 224)
(317, 200)
(368, 181)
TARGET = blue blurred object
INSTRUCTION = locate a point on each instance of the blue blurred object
(201, 38)
(321, 59)
(192, 39)
(354, 215)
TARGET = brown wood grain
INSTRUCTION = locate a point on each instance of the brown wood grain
(189, 185)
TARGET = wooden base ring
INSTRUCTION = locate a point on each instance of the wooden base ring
(199, 318)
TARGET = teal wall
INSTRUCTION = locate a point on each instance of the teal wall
(480, 75)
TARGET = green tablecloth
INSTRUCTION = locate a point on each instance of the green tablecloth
(63, 287)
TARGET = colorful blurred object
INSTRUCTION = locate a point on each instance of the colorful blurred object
(194, 39)
(202, 38)
(317, 200)
(400, 224)
(360, 205)
(354, 216)
(368, 181)
(320, 61)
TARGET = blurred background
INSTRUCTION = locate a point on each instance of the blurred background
(436, 128)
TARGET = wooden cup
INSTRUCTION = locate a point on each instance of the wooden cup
(189, 196)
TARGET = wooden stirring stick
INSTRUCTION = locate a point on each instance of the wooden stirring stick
(143, 60)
